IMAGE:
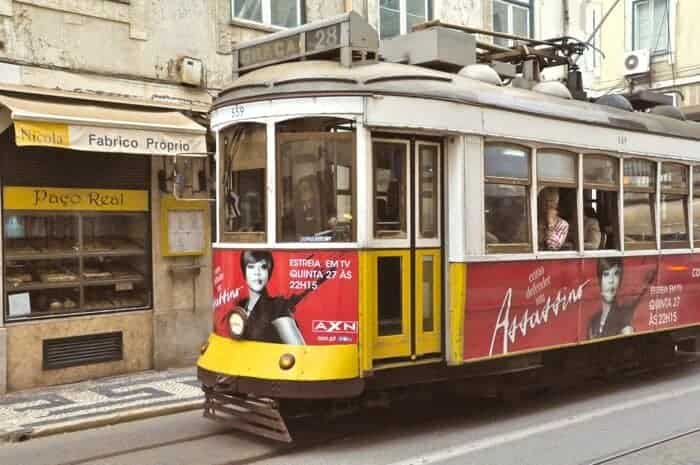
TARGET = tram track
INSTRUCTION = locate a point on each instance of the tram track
(647, 446)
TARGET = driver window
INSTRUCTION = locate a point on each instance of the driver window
(315, 180)
(243, 153)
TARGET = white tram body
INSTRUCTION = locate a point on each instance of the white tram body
(447, 270)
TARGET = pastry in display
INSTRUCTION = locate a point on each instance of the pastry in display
(18, 279)
(96, 273)
(69, 303)
(55, 304)
(58, 277)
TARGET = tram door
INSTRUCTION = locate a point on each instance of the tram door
(405, 270)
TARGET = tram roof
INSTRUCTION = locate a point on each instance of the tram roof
(318, 78)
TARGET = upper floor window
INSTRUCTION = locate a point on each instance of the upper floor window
(650, 25)
(512, 17)
(399, 16)
(283, 13)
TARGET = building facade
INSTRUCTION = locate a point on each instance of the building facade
(647, 44)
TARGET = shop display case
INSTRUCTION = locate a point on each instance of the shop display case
(68, 262)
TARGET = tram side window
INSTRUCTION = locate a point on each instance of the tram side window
(243, 154)
(507, 198)
(556, 201)
(601, 225)
(674, 206)
(696, 205)
(639, 200)
(315, 180)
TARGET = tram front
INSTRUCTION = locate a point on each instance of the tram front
(286, 260)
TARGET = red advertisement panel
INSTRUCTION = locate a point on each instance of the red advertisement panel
(546, 303)
(287, 296)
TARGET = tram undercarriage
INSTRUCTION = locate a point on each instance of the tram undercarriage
(236, 402)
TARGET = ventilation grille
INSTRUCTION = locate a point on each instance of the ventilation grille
(83, 350)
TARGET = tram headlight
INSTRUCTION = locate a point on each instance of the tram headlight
(287, 361)
(237, 322)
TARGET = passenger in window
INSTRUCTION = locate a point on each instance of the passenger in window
(506, 223)
(309, 219)
(553, 229)
(592, 235)
(615, 317)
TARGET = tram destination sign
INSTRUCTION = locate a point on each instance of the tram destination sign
(346, 32)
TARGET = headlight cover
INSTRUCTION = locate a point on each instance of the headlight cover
(237, 322)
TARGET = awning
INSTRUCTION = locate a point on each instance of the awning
(100, 128)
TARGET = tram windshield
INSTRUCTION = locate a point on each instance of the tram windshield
(315, 180)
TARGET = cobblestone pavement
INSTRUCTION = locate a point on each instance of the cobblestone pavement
(94, 403)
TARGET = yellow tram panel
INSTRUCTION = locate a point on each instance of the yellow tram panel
(262, 360)
(457, 282)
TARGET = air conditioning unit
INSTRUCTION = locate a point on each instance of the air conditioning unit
(190, 71)
(636, 62)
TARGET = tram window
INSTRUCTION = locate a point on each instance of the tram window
(696, 205)
(556, 201)
(601, 229)
(674, 206)
(315, 180)
(639, 202)
(243, 151)
(390, 189)
(507, 200)
(428, 166)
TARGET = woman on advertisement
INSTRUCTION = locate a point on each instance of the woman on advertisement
(614, 318)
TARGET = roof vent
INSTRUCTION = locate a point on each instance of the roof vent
(553, 88)
(481, 72)
(668, 111)
(615, 101)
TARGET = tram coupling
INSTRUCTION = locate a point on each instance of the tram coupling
(257, 415)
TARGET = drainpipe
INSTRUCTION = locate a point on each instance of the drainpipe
(565, 17)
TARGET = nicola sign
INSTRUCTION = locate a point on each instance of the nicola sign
(106, 139)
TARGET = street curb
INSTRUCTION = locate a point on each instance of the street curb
(23, 434)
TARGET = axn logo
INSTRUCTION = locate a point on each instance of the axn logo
(334, 327)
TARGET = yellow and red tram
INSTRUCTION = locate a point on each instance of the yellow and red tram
(383, 224)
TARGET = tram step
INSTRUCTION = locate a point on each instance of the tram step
(254, 415)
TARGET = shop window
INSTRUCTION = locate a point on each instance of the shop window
(556, 201)
(507, 205)
(696, 205)
(650, 25)
(70, 262)
(511, 17)
(639, 200)
(283, 13)
(389, 186)
(601, 230)
(71, 247)
(315, 180)
(243, 149)
(674, 206)
(398, 17)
